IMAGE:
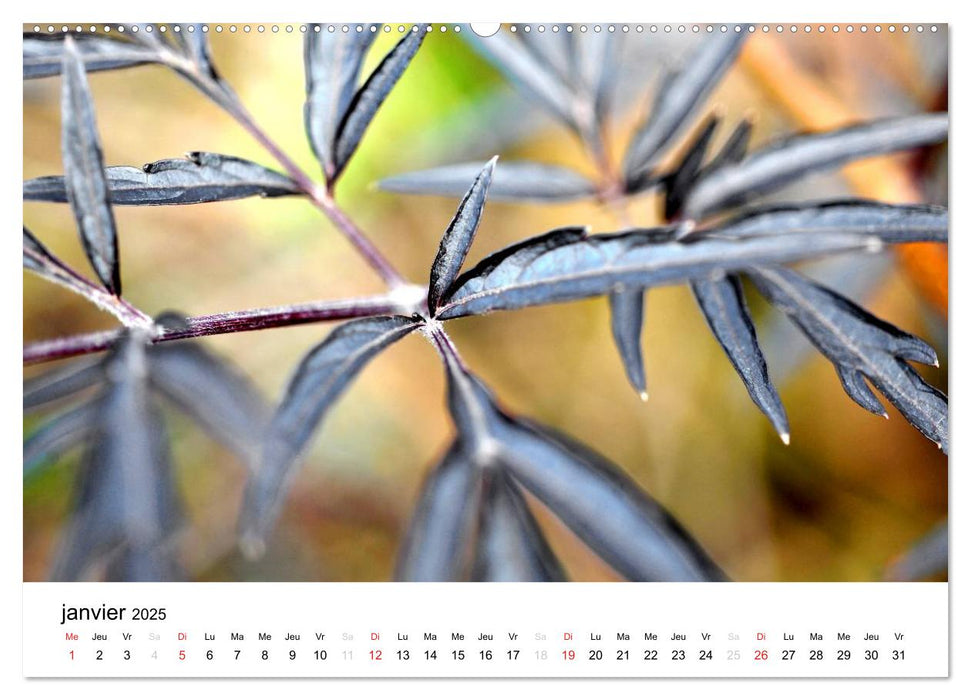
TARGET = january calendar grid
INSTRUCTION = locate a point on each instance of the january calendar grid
(513, 350)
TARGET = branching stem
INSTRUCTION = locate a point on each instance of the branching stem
(217, 324)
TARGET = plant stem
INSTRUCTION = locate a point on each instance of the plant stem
(217, 324)
(319, 196)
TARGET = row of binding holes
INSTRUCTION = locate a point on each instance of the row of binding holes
(525, 28)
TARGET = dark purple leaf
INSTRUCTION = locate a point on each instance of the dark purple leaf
(437, 546)
(546, 270)
(318, 382)
(332, 66)
(678, 97)
(217, 396)
(369, 98)
(734, 148)
(63, 382)
(87, 187)
(536, 78)
(126, 503)
(679, 182)
(38, 259)
(458, 236)
(196, 46)
(778, 164)
(202, 177)
(59, 434)
(510, 545)
(512, 181)
(855, 341)
(44, 54)
(892, 223)
(722, 302)
(557, 50)
(626, 323)
(591, 496)
(596, 70)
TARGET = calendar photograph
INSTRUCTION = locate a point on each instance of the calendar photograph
(576, 303)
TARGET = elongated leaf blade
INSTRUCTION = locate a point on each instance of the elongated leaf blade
(214, 394)
(677, 99)
(778, 164)
(332, 65)
(626, 325)
(591, 496)
(597, 70)
(722, 302)
(557, 50)
(63, 382)
(734, 148)
(196, 46)
(892, 223)
(437, 546)
(458, 236)
(545, 273)
(370, 97)
(318, 382)
(512, 181)
(59, 434)
(679, 182)
(510, 545)
(605, 508)
(199, 178)
(855, 340)
(43, 54)
(38, 259)
(87, 187)
(531, 75)
(126, 504)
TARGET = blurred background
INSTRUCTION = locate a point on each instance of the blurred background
(850, 494)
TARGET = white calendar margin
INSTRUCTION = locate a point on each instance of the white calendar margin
(580, 610)
(506, 10)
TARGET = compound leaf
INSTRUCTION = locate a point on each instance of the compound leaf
(590, 495)
(318, 382)
(547, 270)
(332, 66)
(126, 503)
(855, 341)
(782, 162)
(677, 98)
(219, 398)
(366, 101)
(43, 54)
(536, 78)
(510, 544)
(438, 542)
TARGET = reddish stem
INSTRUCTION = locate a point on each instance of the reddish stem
(217, 324)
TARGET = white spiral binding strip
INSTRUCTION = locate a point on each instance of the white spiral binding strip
(525, 28)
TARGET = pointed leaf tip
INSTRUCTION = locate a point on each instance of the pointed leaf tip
(369, 98)
(319, 381)
(458, 237)
(84, 177)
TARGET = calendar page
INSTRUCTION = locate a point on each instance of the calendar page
(445, 350)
